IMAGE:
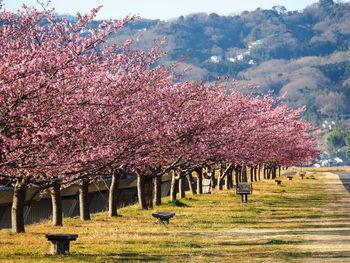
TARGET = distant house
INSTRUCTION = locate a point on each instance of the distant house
(215, 59)
(255, 43)
(240, 57)
(251, 62)
(338, 160)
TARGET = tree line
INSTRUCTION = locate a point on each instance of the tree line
(309, 46)
(75, 108)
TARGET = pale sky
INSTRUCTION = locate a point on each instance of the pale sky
(162, 9)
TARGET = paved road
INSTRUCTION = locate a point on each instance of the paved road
(345, 179)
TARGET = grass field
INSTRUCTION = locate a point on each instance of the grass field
(298, 221)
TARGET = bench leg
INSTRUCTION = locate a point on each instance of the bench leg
(164, 221)
(60, 247)
(244, 198)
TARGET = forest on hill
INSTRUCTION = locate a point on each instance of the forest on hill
(302, 55)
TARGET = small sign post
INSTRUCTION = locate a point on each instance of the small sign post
(244, 189)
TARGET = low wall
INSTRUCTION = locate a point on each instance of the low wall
(38, 206)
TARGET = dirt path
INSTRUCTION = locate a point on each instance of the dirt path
(328, 240)
(325, 239)
(322, 239)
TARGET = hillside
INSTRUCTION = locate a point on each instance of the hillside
(302, 55)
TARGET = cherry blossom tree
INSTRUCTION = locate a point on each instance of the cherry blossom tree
(74, 108)
(50, 71)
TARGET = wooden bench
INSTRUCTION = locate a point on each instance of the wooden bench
(163, 217)
(290, 175)
(278, 182)
(60, 242)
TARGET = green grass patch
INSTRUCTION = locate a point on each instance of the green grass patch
(274, 226)
(177, 203)
(281, 242)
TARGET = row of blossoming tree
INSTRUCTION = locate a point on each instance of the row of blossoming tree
(74, 109)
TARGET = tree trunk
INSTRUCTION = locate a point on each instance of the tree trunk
(145, 189)
(251, 172)
(279, 171)
(212, 177)
(149, 191)
(158, 190)
(231, 183)
(220, 183)
(269, 173)
(56, 201)
(173, 187)
(84, 206)
(182, 185)
(141, 191)
(236, 176)
(274, 170)
(259, 172)
(199, 180)
(191, 183)
(244, 173)
(220, 178)
(227, 180)
(113, 194)
(17, 212)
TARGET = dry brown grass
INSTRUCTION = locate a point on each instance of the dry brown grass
(299, 221)
(322, 169)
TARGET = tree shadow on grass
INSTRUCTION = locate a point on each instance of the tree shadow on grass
(81, 257)
(317, 255)
(115, 257)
